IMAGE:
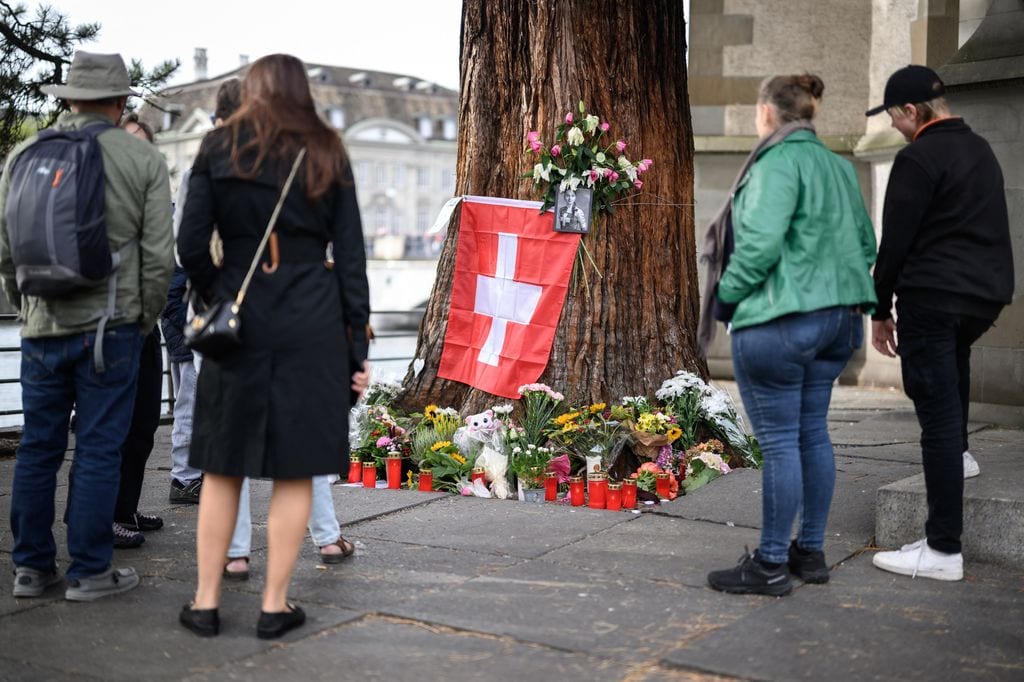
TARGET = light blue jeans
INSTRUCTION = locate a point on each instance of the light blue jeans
(184, 375)
(785, 369)
(323, 522)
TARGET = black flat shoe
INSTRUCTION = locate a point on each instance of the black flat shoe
(273, 625)
(203, 622)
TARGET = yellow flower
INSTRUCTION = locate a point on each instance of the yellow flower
(598, 407)
(561, 420)
(674, 433)
(430, 411)
(459, 458)
(569, 427)
(439, 445)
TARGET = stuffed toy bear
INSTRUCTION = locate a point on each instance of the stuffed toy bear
(481, 438)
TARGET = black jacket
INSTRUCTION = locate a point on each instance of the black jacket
(945, 232)
(172, 319)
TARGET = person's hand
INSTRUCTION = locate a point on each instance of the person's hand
(883, 337)
(360, 380)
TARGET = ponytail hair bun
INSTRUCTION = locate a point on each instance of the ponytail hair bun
(794, 97)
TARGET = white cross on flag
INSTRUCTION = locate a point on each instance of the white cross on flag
(511, 275)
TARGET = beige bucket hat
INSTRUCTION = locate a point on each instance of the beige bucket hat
(92, 77)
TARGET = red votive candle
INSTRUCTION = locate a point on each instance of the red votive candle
(477, 474)
(370, 475)
(426, 480)
(613, 499)
(576, 491)
(551, 486)
(629, 494)
(355, 470)
(394, 472)
(597, 487)
(661, 485)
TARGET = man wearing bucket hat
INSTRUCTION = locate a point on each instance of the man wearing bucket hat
(946, 254)
(81, 349)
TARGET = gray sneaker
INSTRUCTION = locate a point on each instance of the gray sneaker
(28, 582)
(111, 581)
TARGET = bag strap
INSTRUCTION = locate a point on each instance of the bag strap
(270, 228)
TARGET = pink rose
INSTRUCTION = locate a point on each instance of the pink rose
(568, 118)
(614, 177)
(621, 146)
(594, 175)
(533, 135)
(535, 146)
(639, 184)
(556, 150)
(605, 127)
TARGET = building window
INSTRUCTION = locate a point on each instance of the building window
(422, 176)
(448, 181)
(448, 128)
(399, 176)
(382, 175)
(336, 115)
(426, 126)
(362, 172)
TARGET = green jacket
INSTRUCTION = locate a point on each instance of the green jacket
(803, 237)
(138, 207)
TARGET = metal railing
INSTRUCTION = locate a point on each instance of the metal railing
(404, 330)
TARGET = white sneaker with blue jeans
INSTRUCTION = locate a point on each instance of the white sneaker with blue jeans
(918, 559)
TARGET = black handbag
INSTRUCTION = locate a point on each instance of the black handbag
(216, 329)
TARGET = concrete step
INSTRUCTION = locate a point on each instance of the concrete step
(993, 510)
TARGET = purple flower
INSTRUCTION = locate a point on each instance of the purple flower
(556, 150)
(568, 118)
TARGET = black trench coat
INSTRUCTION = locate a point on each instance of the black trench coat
(278, 406)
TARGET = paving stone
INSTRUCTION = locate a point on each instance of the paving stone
(414, 652)
(529, 530)
(579, 609)
(867, 624)
(17, 670)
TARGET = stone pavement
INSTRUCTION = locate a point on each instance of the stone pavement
(448, 588)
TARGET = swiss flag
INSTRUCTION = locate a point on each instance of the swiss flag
(511, 275)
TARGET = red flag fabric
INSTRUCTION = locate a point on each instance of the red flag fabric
(511, 276)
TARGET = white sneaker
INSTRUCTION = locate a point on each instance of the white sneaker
(971, 468)
(918, 559)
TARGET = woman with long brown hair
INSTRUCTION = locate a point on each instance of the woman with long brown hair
(276, 407)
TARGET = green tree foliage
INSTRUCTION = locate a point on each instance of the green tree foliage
(36, 50)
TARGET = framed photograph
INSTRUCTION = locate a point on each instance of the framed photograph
(572, 210)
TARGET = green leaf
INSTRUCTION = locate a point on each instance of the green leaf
(582, 108)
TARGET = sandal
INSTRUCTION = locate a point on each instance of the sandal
(236, 575)
(346, 547)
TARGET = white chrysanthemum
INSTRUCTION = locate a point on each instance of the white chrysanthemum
(679, 385)
(716, 404)
(502, 410)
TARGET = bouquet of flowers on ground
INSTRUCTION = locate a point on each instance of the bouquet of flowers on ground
(704, 463)
(539, 403)
(682, 395)
(720, 415)
(584, 154)
(651, 429)
(646, 479)
(529, 463)
(590, 433)
(450, 467)
(378, 435)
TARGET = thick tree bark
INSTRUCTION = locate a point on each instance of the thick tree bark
(524, 64)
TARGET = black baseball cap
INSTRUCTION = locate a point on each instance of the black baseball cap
(910, 85)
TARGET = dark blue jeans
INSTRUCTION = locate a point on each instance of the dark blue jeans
(57, 373)
(785, 370)
(935, 356)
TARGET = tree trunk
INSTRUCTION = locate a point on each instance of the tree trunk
(524, 64)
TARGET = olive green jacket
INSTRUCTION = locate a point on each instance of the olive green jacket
(803, 237)
(138, 206)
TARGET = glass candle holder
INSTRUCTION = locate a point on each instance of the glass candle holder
(355, 470)
(477, 474)
(613, 498)
(426, 480)
(629, 494)
(661, 485)
(577, 492)
(597, 487)
(394, 472)
(369, 475)
(550, 486)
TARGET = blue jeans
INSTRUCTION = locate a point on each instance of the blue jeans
(785, 370)
(185, 375)
(57, 373)
(323, 522)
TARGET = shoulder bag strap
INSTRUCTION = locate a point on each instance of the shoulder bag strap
(270, 227)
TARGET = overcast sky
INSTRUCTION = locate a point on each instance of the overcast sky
(414, 37)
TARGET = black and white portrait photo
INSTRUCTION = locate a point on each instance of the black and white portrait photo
(572, 210)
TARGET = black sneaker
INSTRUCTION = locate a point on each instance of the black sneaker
(142, 522)
(807, 564)
(185, 493)
(127, 539)
(751, 576)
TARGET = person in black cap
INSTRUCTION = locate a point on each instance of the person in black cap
(945, 253)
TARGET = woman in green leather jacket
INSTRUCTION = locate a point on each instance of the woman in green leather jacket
(794, 286)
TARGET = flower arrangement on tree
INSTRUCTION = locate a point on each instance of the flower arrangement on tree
(589, 431)
(584, 154)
